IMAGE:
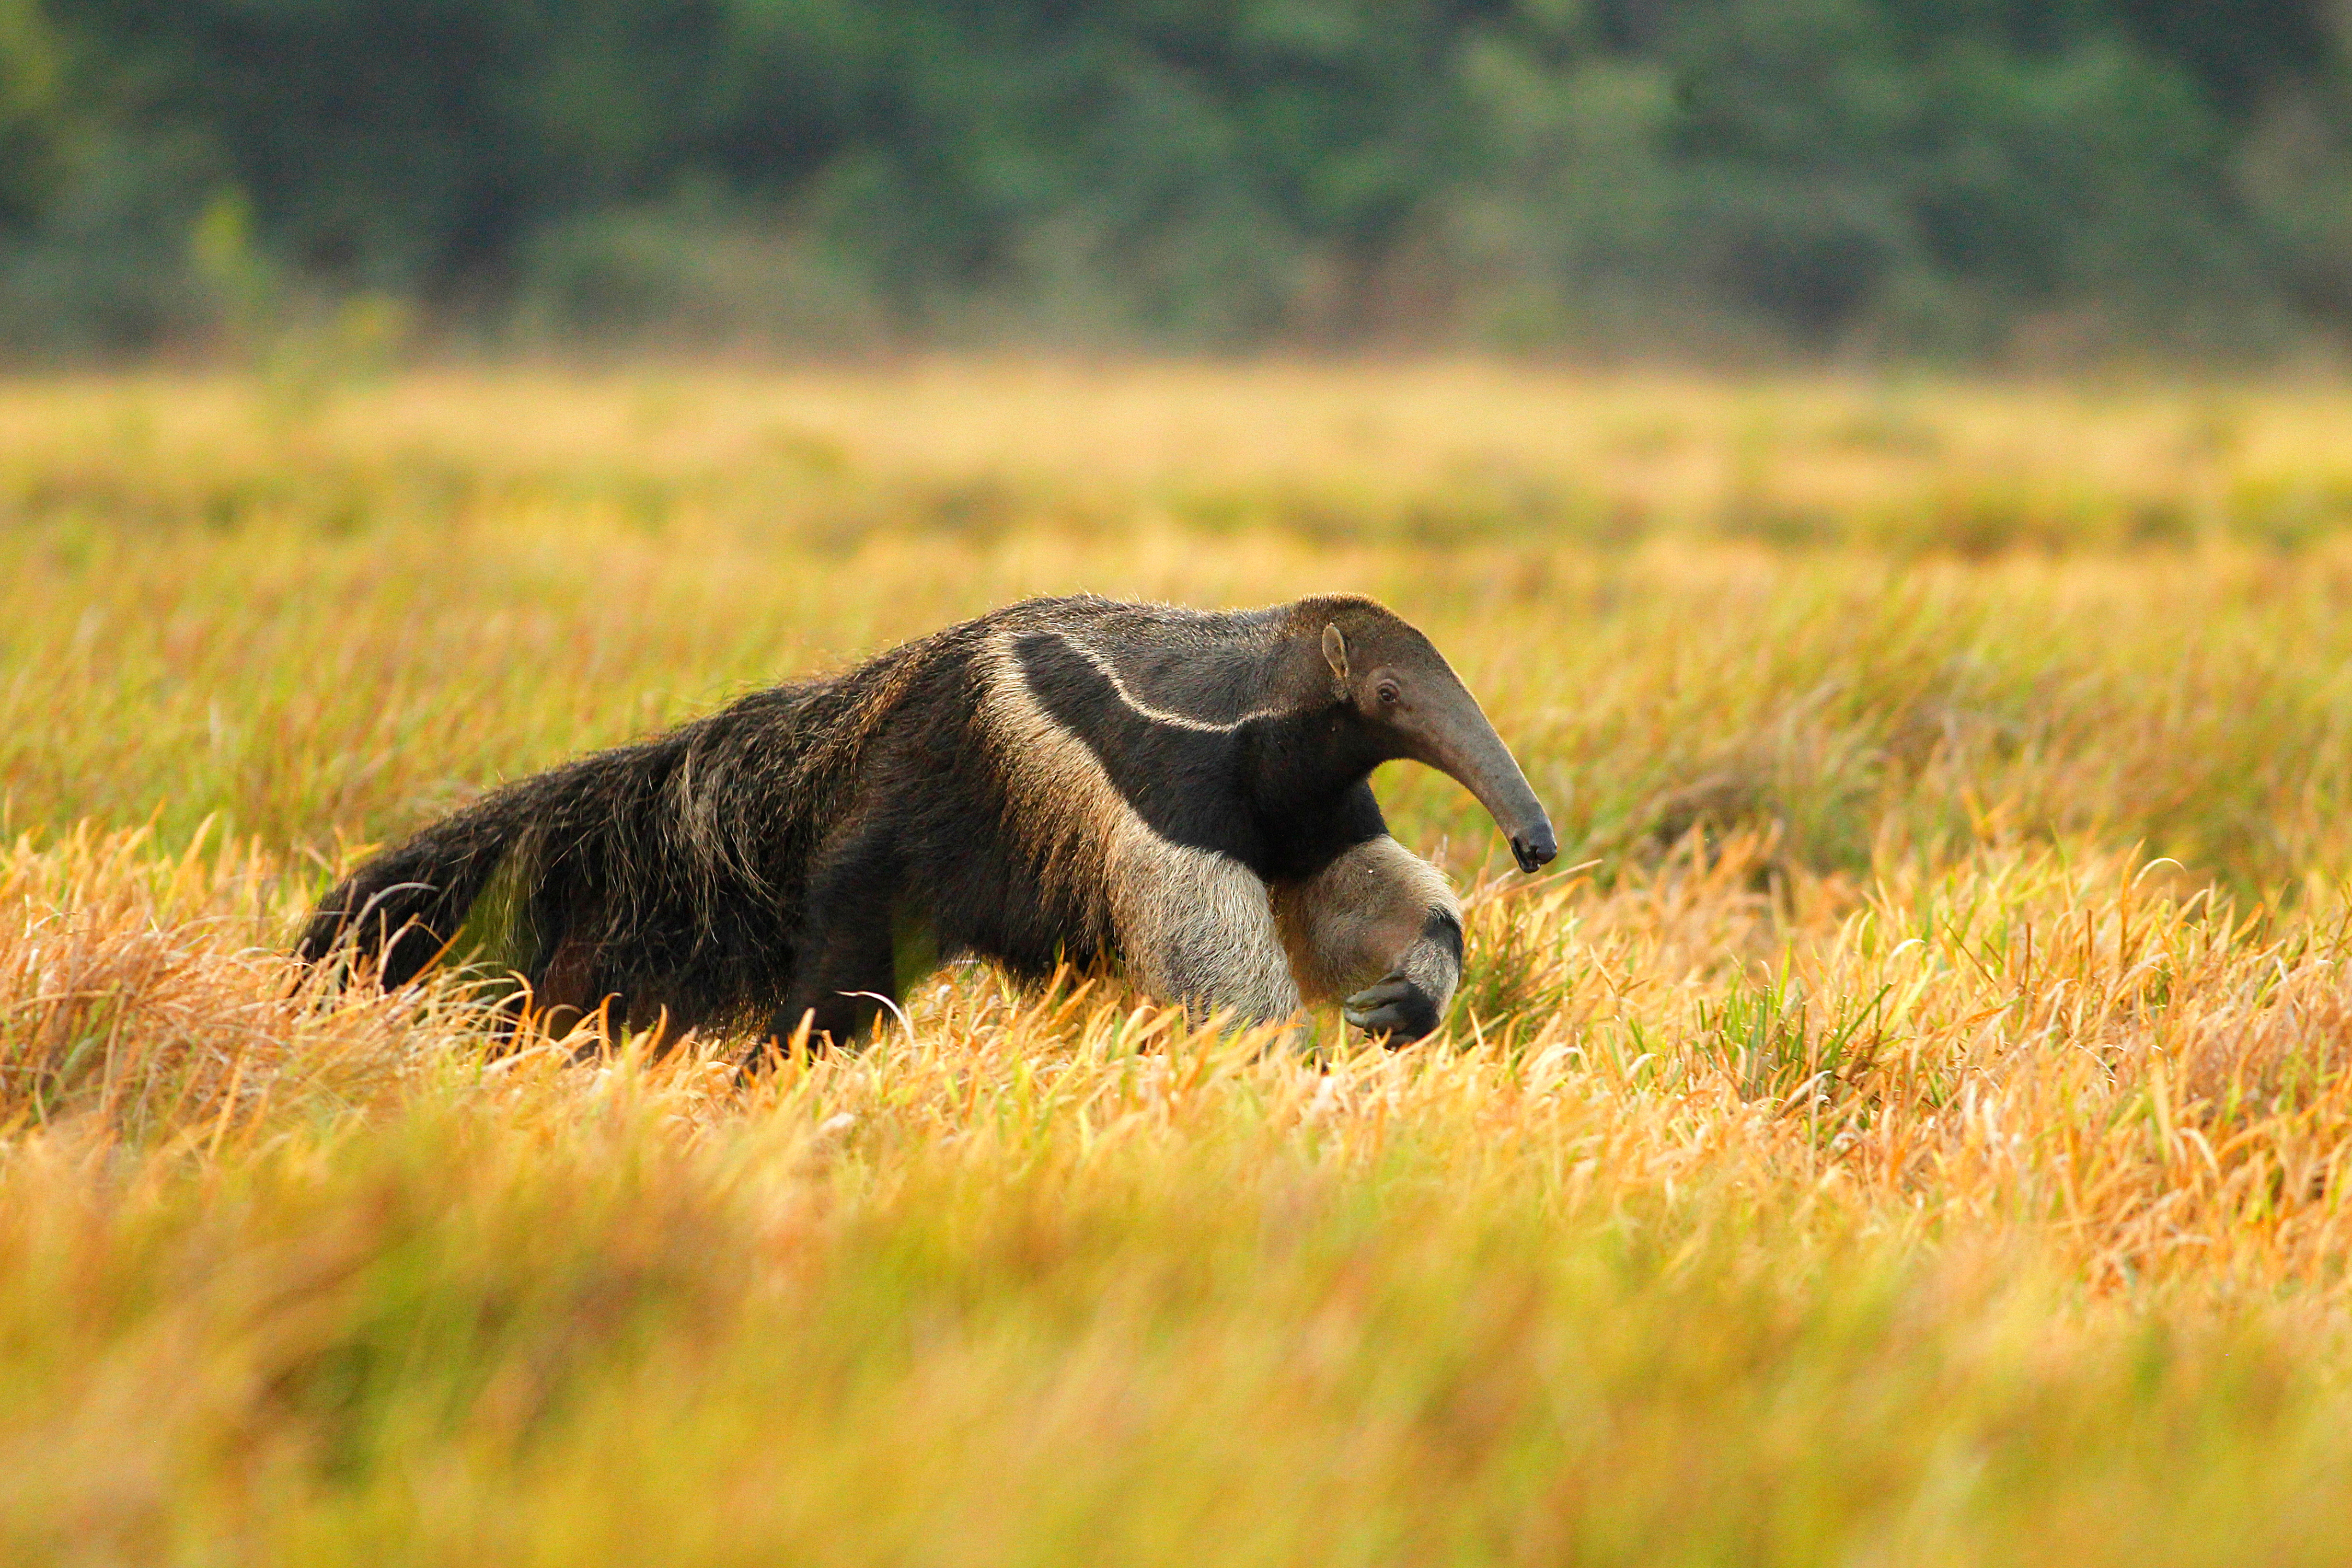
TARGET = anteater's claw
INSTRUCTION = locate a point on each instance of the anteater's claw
(1395, 1007)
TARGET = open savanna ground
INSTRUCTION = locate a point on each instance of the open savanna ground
(1913, 1123)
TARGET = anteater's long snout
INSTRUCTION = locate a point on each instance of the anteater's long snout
(1460, 743)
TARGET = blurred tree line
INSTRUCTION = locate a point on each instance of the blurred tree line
(1945, 176)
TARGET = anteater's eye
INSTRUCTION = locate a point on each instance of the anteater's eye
(1390, 696)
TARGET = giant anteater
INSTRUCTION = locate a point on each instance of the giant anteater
(1064, 780)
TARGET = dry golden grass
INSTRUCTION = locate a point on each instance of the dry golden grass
(1918, 1132)
(1430, 452)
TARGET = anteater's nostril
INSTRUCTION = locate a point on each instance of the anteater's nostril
(1535, 849)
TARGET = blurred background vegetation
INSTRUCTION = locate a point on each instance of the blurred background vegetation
(2036, 181)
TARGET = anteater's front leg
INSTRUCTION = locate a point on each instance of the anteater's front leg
(1198, 927)
(1380, 932)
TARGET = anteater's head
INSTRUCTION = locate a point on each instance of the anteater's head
(1389, 679)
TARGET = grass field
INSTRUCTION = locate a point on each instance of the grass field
(1914, 1125)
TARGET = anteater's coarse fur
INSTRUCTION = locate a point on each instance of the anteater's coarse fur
(1063, 781)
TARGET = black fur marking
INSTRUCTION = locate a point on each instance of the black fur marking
(1305, 823)
(1285, 795)
(1182, 782)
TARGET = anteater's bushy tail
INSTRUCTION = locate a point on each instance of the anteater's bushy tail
(663, 878)
(403, 908)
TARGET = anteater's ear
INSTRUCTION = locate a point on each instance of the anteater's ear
(1335, 649)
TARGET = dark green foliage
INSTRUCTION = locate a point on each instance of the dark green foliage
(1901, 172)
